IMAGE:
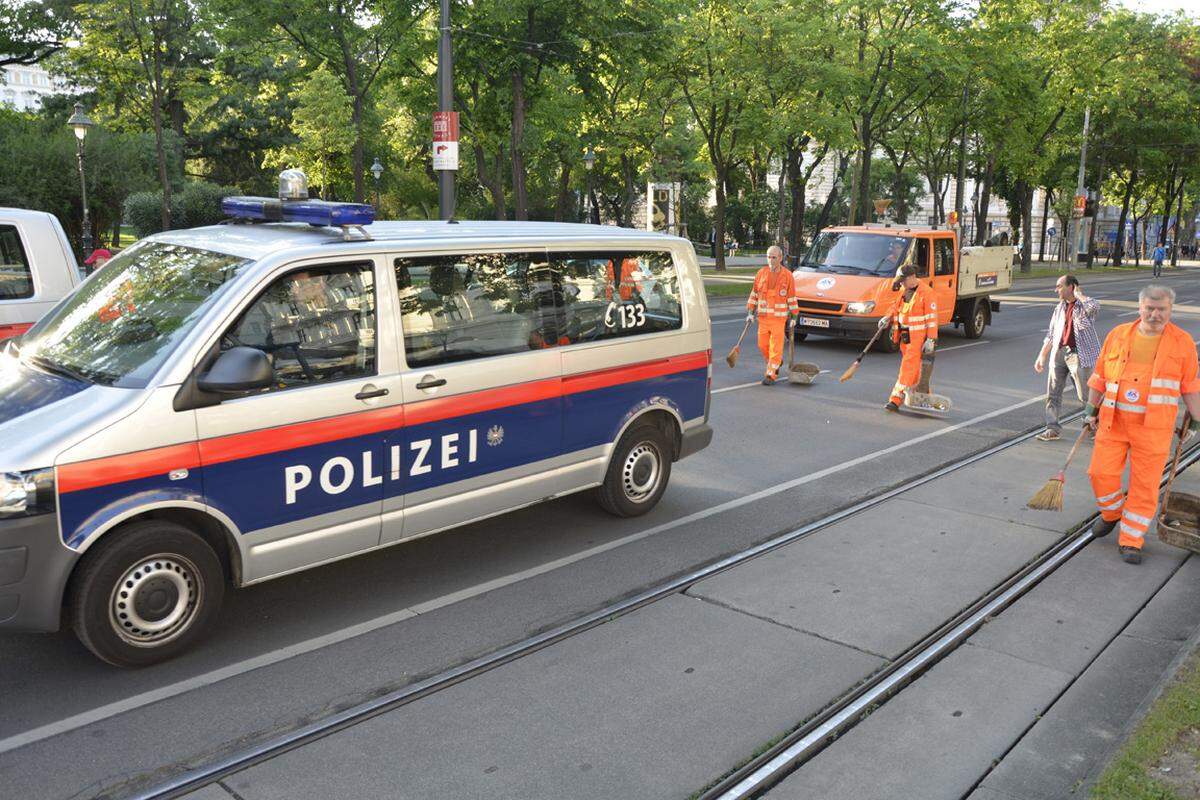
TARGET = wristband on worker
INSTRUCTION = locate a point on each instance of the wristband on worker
(1089, 410)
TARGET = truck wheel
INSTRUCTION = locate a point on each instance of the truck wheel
(974, 324)
(145, 593)
(638, 472)
(886, 343)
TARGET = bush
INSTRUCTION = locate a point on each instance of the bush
(198, 204)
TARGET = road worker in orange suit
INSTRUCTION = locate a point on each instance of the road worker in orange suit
(1144, 369)
(916, 331)
(773, 302)
(630, 283)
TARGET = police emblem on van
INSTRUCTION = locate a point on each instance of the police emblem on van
(495, 435)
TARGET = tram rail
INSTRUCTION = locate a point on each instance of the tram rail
(751, 778)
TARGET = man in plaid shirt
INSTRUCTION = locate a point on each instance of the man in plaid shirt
(1070, 349)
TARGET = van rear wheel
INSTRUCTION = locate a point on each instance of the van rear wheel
(145, 593)
(638, 472)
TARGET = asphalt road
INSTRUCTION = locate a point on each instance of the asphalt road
(294, 649)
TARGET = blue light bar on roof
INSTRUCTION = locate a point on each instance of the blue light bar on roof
(314, 212)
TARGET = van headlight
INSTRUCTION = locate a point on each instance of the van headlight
(26, 494)
(861, 308)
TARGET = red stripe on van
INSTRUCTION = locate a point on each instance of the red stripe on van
(300, 434)
(159, 461)
(9, 331)
(128, 467)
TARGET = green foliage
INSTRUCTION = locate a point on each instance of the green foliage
(196, 205)
(324, 140)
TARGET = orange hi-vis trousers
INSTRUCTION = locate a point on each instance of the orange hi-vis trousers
(772, 333)
(910, 371)
(1146, 451)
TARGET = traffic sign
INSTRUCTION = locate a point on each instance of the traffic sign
(1052, 231)
(445, 140)
(1080, 205)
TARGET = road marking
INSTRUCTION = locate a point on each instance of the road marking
(961, 346)
(101, 713)
(739, 386)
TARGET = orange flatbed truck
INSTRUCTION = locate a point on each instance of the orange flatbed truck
(844, 281)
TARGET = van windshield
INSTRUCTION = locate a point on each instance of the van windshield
(847, 253)
(119, 327)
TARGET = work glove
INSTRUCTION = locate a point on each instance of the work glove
(791, 324)
(885, 321)
(927, 348)
(750, 317)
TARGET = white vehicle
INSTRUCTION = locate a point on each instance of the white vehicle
(235, 403)
(37, 268)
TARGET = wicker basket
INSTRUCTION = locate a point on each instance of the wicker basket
(1179, 521)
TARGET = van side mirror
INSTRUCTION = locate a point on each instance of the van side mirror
(240, 369)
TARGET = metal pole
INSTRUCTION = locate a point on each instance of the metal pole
(1072, 251)
(445, 103)
(85, 238)
(962, 168)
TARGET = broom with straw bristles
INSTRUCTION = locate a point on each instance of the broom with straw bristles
(850, 370)
(1050, 496)
(732, 358)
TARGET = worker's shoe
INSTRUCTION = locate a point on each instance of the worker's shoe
(1131, 555)
(768, 380)
(891, 406)
(1102, 527)
(1048, 436)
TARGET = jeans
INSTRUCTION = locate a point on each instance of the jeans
(1158, 269)
(1058, 375)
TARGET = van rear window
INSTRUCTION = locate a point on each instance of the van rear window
(16, 280)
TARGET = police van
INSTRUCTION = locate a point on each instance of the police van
(230, 404)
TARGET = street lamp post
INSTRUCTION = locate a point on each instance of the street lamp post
(589, 161)
(377, 171)
(80, 123)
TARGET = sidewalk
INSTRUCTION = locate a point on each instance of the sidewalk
(662, 701)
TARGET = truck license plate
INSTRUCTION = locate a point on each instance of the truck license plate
(813, 322)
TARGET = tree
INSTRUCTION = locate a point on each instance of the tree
(33, 30)
(324, 142)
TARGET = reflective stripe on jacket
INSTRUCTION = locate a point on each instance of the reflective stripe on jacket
(774, 294)
(1173, 375)
(921, 319)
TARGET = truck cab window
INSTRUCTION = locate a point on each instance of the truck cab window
(316, 325)
(943, 257)
(16, 281)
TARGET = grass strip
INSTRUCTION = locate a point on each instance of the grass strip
(1161, 760)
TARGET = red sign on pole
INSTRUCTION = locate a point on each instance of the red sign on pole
(445, 140)
(1080, 206)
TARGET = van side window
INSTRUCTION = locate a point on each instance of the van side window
(613, 294)
(16, 281)
(943, 257)
(317, 325)
(463, 307)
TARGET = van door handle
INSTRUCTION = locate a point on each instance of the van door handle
(431, 383)
(369, 392)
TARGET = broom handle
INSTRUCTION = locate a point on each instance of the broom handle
(745, 328)
(1074, 447)
(868, 347)
(1187, 418)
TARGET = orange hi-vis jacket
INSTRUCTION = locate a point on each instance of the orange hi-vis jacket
(773, 295)
(629, 280)
(920, 318)
(1153, 398)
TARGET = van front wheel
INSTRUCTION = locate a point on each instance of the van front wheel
(145, 593)
(638, 472)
